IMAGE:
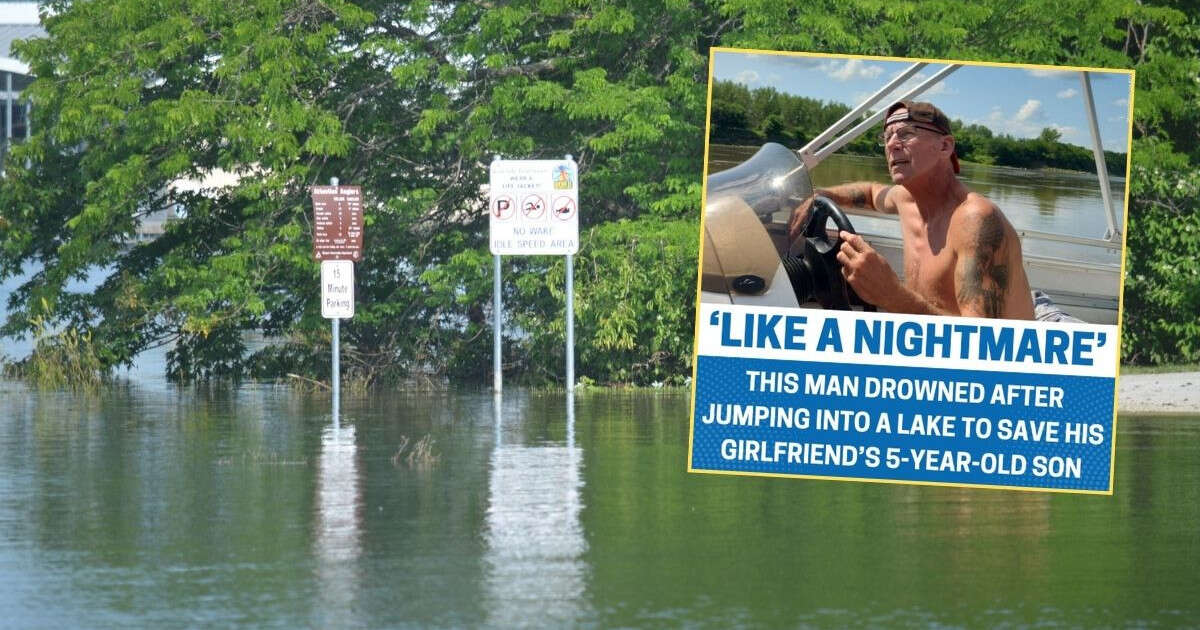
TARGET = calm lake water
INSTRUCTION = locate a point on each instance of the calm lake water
(1057, 202)
(148, 505)
(151, 506)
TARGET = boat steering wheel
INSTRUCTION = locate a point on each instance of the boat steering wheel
(812, 264)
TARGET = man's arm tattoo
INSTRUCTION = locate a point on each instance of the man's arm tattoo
(858, 198)
(984, 275)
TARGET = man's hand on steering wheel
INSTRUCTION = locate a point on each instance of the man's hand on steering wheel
(799, 216)
(814, 268)
(867, 271)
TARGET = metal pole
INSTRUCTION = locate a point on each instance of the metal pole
(570, 323)
(1098, 153)
(816, 156)
(854, 114)
(497, 315)
(571, 311)
(337, 377)
(337, 369)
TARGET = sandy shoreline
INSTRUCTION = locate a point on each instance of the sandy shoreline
(1177, 392)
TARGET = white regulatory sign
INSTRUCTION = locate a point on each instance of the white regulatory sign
(533, 207)
(337, 289)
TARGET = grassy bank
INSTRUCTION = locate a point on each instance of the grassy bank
(1160, 369)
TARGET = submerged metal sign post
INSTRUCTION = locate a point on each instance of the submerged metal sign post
(337, 243)
(533, 208)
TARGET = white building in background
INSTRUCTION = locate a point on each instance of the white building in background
(18, 20)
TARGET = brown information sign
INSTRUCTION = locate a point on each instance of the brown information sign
(337, 222)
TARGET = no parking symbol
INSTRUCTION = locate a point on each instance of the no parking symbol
(503, 207)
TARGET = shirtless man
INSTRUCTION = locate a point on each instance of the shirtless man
(961, 256)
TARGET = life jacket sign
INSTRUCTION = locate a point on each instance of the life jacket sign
(534, 207)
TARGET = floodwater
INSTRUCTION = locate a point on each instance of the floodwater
(1052, 201)
(149, 505)
(154, 506)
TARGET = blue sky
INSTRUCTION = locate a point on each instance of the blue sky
(1017, 101)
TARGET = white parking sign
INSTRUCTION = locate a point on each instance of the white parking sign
(534, 207)
(337, 289)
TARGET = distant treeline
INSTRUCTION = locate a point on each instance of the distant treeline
(747, 117)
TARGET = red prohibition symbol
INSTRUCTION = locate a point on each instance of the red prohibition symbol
(563, 209)
(503, 207)
(533, 206)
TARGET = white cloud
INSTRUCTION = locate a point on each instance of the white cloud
(934, 90)
(1067, 93)
(801, 61)
(746, 77)
(937, 89)
(1047, 73)
(722, 58)
(1031, 110)
(1027, 122)
(852, 69)
(1121, 102)
(1020, 127)
(1067, 131)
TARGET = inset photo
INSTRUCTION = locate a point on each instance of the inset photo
(989, 190)
(911, 271)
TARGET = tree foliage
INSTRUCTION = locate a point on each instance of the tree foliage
(408, 100)
(411, 101)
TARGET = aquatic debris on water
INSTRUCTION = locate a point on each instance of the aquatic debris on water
(420, 455)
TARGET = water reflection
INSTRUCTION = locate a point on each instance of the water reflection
(535, 574)
(336, 545)
(234, 508)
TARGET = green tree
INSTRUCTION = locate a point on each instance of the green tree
(1050, 136)
(411, 100)
(408, 100)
